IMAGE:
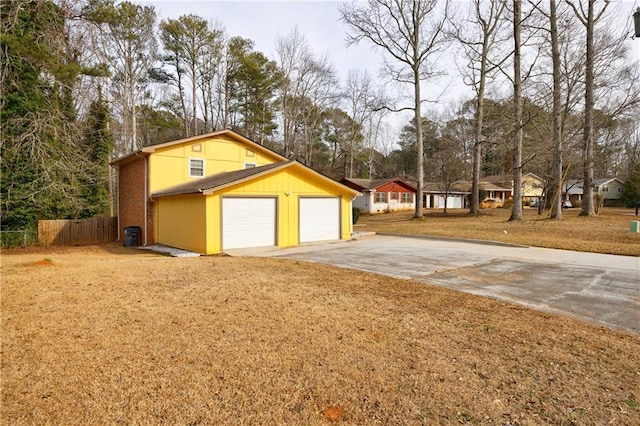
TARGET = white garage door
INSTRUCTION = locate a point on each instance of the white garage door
(453, 202)
(319, 219)
(248, 222)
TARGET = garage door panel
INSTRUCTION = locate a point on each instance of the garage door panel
(248, 222)
(319, 219)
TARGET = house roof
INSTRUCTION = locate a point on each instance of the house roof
(498, 179)
(208, 185)
(502, 179)
(373, 184)
(147, 150)
(604, 181)
(439, 187)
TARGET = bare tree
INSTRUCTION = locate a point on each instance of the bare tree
(411, 33)
(556, 208)
(128, 46)
(516, 209)
(486, 24)
(362, 100)
(588, 18)
(309, 86)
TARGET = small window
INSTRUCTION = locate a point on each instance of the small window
(393, 195)
(196, 147)
(249, 165)
(407, 197)
(196, 167)
(250, 153)
(381, 197)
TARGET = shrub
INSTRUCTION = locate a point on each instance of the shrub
(355, 211)
(598, 202)
(26, 237)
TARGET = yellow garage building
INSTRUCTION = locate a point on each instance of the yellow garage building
(222, 191)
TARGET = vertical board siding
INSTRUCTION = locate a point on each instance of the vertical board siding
(77, 232)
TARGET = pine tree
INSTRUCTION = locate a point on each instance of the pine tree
(99, 142)
(40, 156)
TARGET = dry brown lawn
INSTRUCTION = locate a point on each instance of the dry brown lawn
(608, 233)
(104, 335)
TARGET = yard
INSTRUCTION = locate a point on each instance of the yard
(106, 334)
(607, 233)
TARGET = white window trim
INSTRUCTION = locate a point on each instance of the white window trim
(203, 170)
(253, 165)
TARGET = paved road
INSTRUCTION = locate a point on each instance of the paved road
(599, 288)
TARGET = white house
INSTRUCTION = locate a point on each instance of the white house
(609, 188)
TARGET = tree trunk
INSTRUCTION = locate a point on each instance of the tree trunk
(587, 137)
(556, 208)
(418, 118)
(516, 210)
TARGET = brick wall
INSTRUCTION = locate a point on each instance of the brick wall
(131, 199)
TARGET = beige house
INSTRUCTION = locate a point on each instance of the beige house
(532, 185)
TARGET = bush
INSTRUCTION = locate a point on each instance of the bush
(22, 238)
(355, 211)
(508, 203)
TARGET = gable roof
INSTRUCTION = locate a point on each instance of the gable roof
(208, 185)
(604, 181)
(373, 184)
(148, 150)
(508, 179)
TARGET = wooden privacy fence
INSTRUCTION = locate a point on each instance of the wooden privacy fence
(77, 232)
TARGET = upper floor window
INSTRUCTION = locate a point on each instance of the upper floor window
(381, 197)
(249, 165)
(196, 167)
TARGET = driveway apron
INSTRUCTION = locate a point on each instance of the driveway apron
(599, 288)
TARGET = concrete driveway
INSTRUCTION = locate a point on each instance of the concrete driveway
(599, 288)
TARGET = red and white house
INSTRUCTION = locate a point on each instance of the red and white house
(382, 195)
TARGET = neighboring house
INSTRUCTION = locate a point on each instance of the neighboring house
(220, 191)
(382, 195)
(532, 186)
(439, 196)
(609, 188)
(458, 194)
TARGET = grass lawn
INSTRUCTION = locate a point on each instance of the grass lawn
(104, 335)
(607, 233)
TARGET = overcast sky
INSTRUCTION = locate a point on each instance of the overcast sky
(264, 21)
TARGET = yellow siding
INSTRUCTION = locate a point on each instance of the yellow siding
(170, 166)
(181, 221)
(288, 186)
(528, 187)
(214, 224)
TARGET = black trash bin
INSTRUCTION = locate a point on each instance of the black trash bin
(131, 236)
